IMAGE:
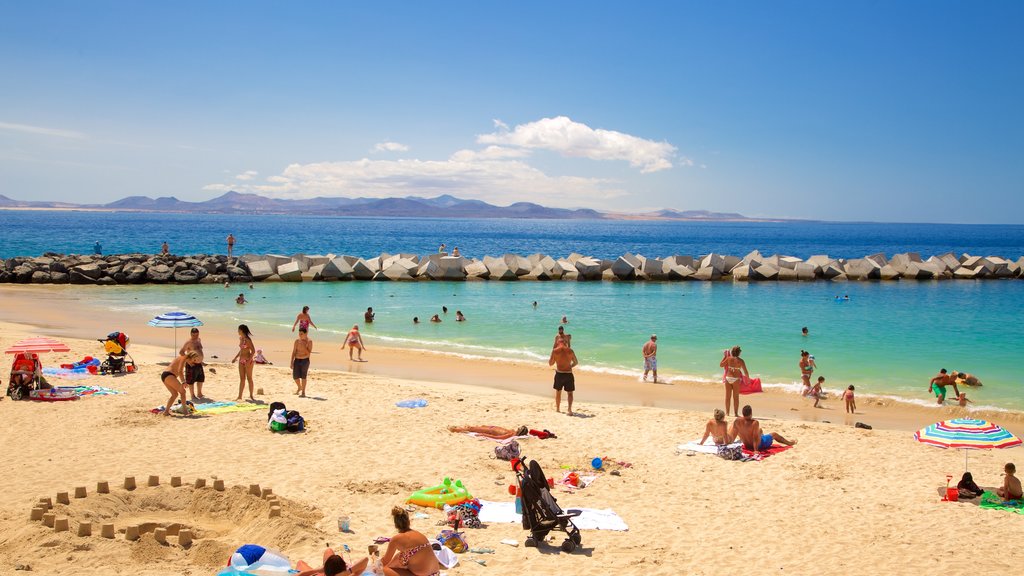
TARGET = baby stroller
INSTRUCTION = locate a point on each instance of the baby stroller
(26, 375)
(541, 513)
(116, 347)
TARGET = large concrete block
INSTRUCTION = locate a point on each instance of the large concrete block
(860, 268)
(805, 271)
(498, 269)
(741, 273)
(314, 273)
(765, 272)
(477, 269)
(653, 269)
(789, 262)
(337, 269)
(447, 268)
(707, 273)
(952, 262)
(787, 275)
(819, 261)
(290, 272)
(679, 260)
(400, 269)
(363, 270)
(713, 261)
(301, 259)
(673, 271)
(753, 257)
(879, 259)
(260, 270)
(517, 264)
(730, 262)
(588, 269)
(888, 272)
(625, 268)
(317, 260)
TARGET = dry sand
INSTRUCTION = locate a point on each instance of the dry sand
(844, 501)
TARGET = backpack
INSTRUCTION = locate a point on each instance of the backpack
(295, 421)
(278, 421)
(274, 407)
(507, 452)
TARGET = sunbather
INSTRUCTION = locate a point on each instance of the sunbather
(409, 553)
(717, 429)
(333, 565)
(496, 432)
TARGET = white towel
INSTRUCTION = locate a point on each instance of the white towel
(696, 446)
(589, 519)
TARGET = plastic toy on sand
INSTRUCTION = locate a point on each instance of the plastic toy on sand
(449, 492)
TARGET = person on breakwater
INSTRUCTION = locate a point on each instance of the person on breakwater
(97, 249)
(354, 340)
(735, 372)
(302, 348)
(442, 249)
(650, 353)
(303, 320)
(246, 360)
(165, 249)
(231, 243)
(564, 360)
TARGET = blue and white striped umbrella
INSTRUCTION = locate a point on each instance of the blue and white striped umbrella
(175, 320)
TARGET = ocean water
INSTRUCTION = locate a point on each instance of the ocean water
(887, 339)
(35, 232)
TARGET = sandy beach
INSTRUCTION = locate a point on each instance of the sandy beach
(844, 500)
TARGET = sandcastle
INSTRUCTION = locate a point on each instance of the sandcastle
(166, 534)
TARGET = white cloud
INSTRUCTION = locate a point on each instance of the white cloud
(42, 131)
(247, 175)
(574, 139)
(390, 147)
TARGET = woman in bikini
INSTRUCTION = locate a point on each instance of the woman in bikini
(409, 552)
(735, 371)
(717, 429)
(807, 367)
(245, 359)
(303, 321)
(175, 375)
(354, 340)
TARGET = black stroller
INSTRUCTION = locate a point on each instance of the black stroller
(541, 513)
(116, 347)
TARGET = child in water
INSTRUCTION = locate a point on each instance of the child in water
(851, 404)
(963, 401)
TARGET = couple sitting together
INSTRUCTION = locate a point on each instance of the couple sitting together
(745, 428)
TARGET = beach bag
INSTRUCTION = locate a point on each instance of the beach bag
(295, 421)
(278, 421)
(274, 407)
(730, 452)
(507, 452)
(453, 541)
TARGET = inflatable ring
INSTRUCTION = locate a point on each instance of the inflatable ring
(450, 493)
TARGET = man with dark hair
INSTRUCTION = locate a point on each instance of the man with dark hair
(939, 383)
(749, 432)
(195, 376)
(564, 360)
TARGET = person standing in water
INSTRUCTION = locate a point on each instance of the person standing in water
(303, 320)
(650, 352)
(301, 350)
(246, 361)
(564, 360)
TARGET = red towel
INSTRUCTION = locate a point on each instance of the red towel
(750, 385)
(775, 449)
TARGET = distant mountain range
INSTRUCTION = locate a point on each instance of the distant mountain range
(410, 206)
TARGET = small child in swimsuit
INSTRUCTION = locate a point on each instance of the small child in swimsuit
(963, 401)
(851, 404)
(816, 391)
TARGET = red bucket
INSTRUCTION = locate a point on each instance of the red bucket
(953, 494)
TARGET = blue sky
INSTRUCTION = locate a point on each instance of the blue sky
(890, 111)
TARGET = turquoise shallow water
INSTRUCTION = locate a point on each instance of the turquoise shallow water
(888, 339)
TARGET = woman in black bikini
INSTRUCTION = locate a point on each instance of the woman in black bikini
(409, 552)
(173, 377)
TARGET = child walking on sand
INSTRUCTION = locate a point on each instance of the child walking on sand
(816, 391)
(851, 404)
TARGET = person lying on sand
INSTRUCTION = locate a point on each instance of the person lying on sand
(333, 565)
(717, 429)
(495, 432)
(749, 432)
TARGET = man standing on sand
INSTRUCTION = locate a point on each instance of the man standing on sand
(650, 352)
(231, 243)
(563, 359)
(195, 376)
(939, 383)
(749, 432)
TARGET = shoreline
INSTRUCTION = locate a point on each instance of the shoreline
(526, 376)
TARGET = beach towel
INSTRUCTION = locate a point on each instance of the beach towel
(498, 440)
(589, 518)
(775, 449)
(990, 501)
(69, 392)
(750, 385)
(695, 446)
(211, 408)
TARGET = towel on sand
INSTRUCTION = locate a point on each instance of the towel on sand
(216, 407)
(991, 501)
(590, 519)
(695, 446)
(498, 440)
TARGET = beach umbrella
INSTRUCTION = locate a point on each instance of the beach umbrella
(967, 434)
(175, 320)
(38, 345)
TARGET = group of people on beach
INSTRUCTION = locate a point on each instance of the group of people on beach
(436, 318)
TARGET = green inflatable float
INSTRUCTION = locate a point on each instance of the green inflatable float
(449, 492)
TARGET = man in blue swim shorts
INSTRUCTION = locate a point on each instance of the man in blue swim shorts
(749, 432)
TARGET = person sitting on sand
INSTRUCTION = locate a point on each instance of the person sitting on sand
(749, 432)
(173, 377)
(333, 565)
(717, 429)
(354, 341)
(1011, 489)
(459, 317)
(409, 552)
(967, 488)
(241, 299)
(495, 432)
(303, 320)
(938, 384)
(435, 318)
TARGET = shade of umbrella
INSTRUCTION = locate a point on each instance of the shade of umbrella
(39, 345)
(175, 320)
(967, 434)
